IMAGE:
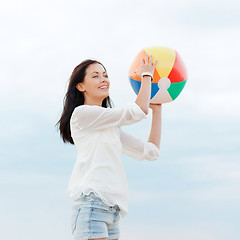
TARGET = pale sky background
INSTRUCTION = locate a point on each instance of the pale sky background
(193, 191)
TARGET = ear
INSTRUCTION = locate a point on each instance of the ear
(80, 87)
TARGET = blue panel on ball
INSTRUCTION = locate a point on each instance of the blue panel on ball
(137, 84)
(155, 89)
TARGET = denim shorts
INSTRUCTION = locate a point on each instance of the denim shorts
(92, 218)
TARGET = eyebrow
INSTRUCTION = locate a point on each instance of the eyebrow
(98, 72)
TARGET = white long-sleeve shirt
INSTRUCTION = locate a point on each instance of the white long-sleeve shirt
(100, 142)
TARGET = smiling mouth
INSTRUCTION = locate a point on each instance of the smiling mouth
(104, 87)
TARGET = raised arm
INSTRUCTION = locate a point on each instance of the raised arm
(144, 94)
(137, 148)
(155, 133)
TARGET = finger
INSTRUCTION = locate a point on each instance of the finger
(150, 60)
(137, 73)
(154, 65)
(146, 58)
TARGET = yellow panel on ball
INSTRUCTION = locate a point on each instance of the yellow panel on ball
(165, 56)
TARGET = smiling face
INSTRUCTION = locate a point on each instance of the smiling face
(95, 86)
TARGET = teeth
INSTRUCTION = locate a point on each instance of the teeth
(103, 87)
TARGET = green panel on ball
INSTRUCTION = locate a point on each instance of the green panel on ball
(176, 88)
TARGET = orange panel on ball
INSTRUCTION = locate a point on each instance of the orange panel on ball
(156, 76)
(136, 65)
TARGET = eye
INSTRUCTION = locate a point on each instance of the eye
(106, 76)
(95, 76)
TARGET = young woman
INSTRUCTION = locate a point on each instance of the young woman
(98, 182)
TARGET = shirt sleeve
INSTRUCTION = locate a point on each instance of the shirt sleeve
(97, 118)
(138, 149)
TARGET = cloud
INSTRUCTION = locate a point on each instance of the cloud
(208, 230)
(149, 231)
(211, 15)
(44, 51)
(212, 168)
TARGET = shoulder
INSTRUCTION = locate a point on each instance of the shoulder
(87, 112)
(84, 108)
(94, 110)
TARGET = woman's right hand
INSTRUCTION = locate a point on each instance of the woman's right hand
(147, 66)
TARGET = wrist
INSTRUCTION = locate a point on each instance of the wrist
(156, 107)
(147, 74)
(146, 77)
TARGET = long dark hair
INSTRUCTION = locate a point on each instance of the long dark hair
(74, 98)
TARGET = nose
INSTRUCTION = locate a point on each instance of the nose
(103, 79)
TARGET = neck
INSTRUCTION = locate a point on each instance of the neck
(97, 102)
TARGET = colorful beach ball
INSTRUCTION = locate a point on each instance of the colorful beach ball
(169, 77)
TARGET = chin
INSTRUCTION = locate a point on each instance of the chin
(107, 95)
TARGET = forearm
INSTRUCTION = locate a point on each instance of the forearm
(155, 133)
(144, 94)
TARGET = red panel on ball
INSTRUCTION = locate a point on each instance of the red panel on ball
(178, 73)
